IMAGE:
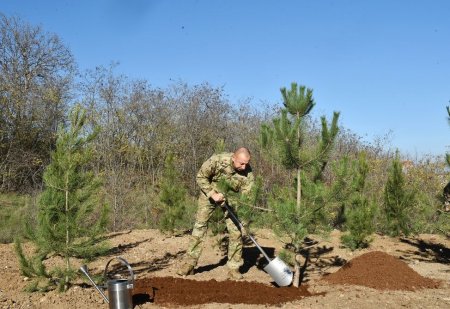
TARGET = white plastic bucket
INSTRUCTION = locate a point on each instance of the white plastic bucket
(279, 271)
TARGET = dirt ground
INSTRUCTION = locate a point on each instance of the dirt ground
(154, 258)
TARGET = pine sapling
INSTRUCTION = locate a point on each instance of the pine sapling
(71, 219)
(172, 196)
(287, 134)
(359, 210)
(398, 201)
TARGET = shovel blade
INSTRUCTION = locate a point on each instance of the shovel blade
(279, 271)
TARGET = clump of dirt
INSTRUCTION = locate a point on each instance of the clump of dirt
(184, 292)
(380, 271)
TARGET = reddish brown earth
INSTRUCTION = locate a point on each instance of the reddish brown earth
(184, 292)
(154, 255)
(380, 271)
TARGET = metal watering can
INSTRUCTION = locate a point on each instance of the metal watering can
(120, 291)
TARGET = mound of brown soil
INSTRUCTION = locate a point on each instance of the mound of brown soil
(177, 291)
(380, 271)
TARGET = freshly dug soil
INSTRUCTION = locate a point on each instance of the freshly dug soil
(380, 271)
(184, 292)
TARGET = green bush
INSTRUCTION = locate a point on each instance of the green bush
(426, 178)
(16, 211)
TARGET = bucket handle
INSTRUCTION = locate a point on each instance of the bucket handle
(124, 262)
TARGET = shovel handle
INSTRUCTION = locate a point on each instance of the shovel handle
(241, 227)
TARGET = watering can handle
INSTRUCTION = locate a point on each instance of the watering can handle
(124, 262)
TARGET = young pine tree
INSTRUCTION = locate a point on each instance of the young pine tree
(341, 190)
(398, 201)
(244, 205)
(70, 217)
(287, 135)
(359, 211)
(172, 197)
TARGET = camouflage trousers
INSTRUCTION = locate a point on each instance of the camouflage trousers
(204, 212)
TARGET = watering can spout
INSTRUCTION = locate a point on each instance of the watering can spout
(84, 270)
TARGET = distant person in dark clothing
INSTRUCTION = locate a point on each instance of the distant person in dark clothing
(447, 197)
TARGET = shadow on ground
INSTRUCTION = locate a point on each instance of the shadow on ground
(143, 298)
(317, 260)
(253, 257)
(206, 268)
(145, 266)
(427, 251)
(112, 235)
(122, 248)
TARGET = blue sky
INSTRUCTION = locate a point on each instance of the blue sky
(385, 65)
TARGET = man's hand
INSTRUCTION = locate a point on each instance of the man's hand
(218, 197)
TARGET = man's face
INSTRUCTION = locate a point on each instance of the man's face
(240, 161)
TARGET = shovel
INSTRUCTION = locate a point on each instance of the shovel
(277, 269)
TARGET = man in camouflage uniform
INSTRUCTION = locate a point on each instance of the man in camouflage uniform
(234, 168)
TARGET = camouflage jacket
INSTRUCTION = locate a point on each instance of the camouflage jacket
(218, 167)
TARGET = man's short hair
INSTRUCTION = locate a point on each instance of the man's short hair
(243, 150)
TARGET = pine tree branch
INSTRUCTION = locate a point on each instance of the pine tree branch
(54, 187)
(319, 154)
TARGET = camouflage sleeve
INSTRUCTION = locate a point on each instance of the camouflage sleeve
(247, 186)
(204, 175)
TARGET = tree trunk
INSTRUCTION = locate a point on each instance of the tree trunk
(299, 181)
(299, 188)
(67, 233)
(297, 265)
(115, 212)
(296, 281)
